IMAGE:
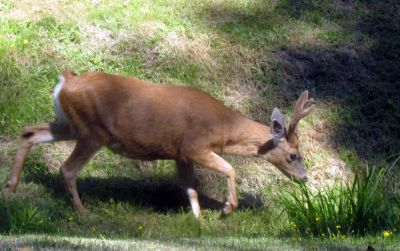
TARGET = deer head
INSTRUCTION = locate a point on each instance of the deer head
(158, 117)
(283, 149)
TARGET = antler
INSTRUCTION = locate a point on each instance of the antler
(302, 108)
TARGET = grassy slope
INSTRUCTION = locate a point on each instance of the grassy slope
(251, 55)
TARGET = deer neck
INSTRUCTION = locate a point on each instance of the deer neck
(246, 137)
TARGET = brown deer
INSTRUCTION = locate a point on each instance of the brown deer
(148, 121)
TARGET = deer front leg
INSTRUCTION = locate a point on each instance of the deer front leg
(187, 179)
(215, 162)
(83, 151)
(32, 135)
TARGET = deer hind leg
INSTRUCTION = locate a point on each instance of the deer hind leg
(215, 162)
(32, 135)
(187, 179)
(83, 151)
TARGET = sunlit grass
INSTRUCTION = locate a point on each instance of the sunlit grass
(214, 243)
(252, 55)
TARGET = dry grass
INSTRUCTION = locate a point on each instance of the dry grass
(27, 10)
(97, 39)
(178, 42)
(253, 56)
(231, 64)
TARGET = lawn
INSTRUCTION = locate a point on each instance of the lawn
(201, 243)
(251, 55)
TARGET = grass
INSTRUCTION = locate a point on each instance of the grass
(215, 243)
(362, 207)
(252, 55)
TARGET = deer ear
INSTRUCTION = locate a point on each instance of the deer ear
(278, 126)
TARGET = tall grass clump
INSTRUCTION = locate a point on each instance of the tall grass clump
(18, 217)
(364, 206)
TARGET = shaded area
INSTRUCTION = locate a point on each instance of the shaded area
(349, 63)
(160, 194)
(367, 119)
(362, 75)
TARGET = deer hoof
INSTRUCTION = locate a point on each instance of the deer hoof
(10, 187)
(228, 208)
(83, 211)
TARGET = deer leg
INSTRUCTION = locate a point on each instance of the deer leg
(187, 179)
(32, 135)
(215, 162)
(83, 151)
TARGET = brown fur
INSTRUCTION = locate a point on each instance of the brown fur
(149, 121)
(153, 121)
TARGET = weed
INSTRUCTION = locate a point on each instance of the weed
(21, 217)
(363, 207)
(24, 218)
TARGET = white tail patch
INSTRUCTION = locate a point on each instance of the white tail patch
(61, 116)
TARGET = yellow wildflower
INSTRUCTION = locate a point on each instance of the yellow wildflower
(317, 219)
(334, 238)
(323, 235)
(387, 234)
(140, 227)
(12, 45)
(338, 226)
(26, 41)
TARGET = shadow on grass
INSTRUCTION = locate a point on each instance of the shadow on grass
(362, 77)
(160, 194)
(354, 67)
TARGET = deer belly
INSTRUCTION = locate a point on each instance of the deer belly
(137, 151)
(117, 147)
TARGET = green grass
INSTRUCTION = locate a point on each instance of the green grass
(362, 207)
(253, 56)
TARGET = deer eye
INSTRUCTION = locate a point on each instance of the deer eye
(293, 157)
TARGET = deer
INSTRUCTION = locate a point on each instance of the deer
(147, 121)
